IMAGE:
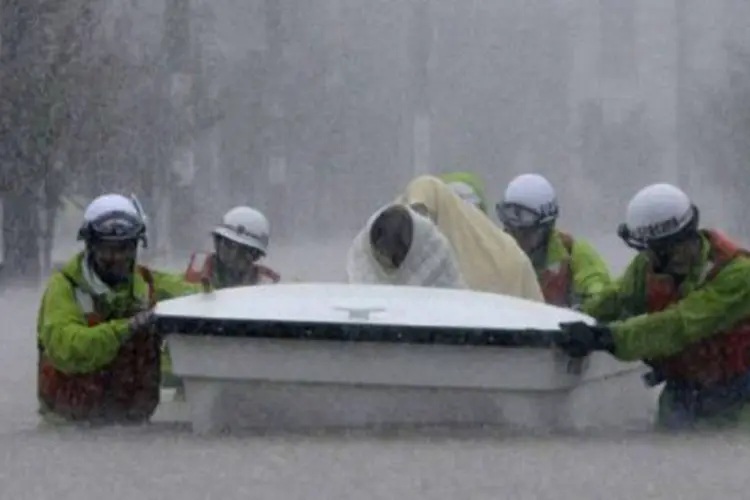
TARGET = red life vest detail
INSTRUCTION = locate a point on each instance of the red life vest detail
(127, 390)
(718, 358)
(201, 267)
(556, 280)
(267, 274)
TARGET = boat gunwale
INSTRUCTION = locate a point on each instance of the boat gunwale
(356, 332)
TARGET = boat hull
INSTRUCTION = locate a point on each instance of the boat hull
(245, 383)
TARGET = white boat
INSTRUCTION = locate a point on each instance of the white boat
(171, 407)
(339, 355)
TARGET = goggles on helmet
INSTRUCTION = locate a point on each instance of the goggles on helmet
(518, 216)
(115, 226)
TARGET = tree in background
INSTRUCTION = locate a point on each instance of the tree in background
(128, 131)
(76, 117)
(42, 65)
(83, 156)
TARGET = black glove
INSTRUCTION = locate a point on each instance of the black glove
(141, 321)
(579, 339)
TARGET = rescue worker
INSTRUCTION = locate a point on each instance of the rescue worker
(98, 362)
(467, 186)
(569, 270)
(240, 241)
(399, 246)
(683, 307)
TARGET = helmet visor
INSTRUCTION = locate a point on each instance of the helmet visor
(116, 226)
(513, 215)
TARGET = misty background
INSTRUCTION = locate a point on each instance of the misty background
(319, 112)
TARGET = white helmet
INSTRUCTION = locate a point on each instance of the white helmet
(112, 217)
(529, 200)
(659, 211)
(246, 226)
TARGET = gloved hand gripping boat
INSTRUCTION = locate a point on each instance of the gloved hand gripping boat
(337, 355)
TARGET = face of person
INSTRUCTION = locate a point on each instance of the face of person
(528, 238)
(236, 256)
(114, 260)
(676, 258)
(391, 237)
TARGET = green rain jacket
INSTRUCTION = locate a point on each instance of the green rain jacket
(705, 309)
(75, 347)
(472, 181)
(589, 272)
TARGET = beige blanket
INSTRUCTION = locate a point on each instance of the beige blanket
(489, 259)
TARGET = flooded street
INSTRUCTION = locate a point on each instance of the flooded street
(165, 461)
(305, 118)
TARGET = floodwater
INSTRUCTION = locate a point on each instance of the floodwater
(164, 461)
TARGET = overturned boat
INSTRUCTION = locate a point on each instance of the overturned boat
(339, 355)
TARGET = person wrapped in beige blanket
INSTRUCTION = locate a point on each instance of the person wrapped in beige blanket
(399, 246)
(489, 259)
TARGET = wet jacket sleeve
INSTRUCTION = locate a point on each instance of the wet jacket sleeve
(590, 272)
(70, 344)
(620, 297)
(171, 285)
(712, 308)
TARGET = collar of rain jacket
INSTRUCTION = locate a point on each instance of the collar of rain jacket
(94, 282)
(77, 269)
(698, 272)
(556, 251)
(553, 252)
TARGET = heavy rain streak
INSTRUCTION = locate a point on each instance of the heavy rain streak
(318, 113)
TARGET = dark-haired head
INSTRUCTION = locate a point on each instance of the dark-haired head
(391, 235)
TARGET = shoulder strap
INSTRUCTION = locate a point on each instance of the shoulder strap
(148, 277)
(200, 267)
(567, 241)
(69, 279)
(208, 267)
(722, 251)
